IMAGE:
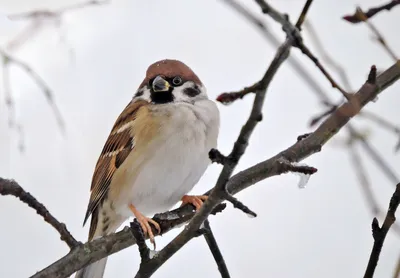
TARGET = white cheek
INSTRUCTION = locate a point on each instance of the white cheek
(144, 96)
(179, 94)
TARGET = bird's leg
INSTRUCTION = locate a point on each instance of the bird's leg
(144, 223)
(196, 201)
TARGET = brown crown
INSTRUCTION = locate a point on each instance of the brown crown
(170, 68)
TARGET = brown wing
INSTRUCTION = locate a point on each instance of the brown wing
(118, 146)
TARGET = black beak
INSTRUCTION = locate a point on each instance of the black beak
(160, 84)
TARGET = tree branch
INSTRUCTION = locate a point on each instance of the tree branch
(268, 35)
(379, 233)
(354, 18)
(364, 182)
(48, 93)
(379, 37)
(10, 187)
(396, 273)
(97, 249)
(213, 245)
(298, 42)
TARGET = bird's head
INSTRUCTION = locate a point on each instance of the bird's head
(170, 81)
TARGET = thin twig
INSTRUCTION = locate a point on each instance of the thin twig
(325, 56)
(306, 51)
(316, 119)
(354, 18)
(9, 100)
(239, 205)
(379, 233)
(303, 14)
(56, 13)
(217, 157)
(375, 156)
(364, 181)
(48, 93)
(383, 123)
(361, 174)
(213, 245)
(298, 42)
(228, 98)
(10, 187)
(246, 13)
(396, 273)
(281, 18)
(270, 37)
(379, 37)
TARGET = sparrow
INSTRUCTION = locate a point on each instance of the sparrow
(156, 152)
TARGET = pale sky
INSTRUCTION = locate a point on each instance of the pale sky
(321, 231)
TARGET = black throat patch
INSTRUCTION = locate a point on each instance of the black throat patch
(162, 97)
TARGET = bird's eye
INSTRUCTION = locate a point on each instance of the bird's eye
(177, 81)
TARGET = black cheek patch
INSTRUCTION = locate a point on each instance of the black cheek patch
(139, 93)
(192, 92)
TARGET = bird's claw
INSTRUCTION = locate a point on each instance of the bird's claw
(144, 224)
(196, 201)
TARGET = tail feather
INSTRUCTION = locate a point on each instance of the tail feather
(101, 224)
(94, 270)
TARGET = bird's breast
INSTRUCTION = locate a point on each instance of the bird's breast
(171, 163)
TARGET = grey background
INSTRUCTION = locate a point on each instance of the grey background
(321, 231)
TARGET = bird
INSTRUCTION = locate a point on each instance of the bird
(156, 152)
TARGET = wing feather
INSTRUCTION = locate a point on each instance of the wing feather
(119, 144)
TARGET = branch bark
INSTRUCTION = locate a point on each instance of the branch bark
(379, 233)
(10, 187)
(213, 245)
(355, 18)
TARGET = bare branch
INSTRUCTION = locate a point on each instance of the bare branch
(361, 15)
(213, 245)
(95, 250)
(318, 118)
(227, 98)
(396, 273)
(375, 156)
(145, 265)
(56, 13)
(10, 187)
(48, 93)
(303, 14)
(364, 182)
(298, 42)
(383, 123)
(247, 14)
(239, 205)
(9, 100)
(217, 157)
(306, 51)
(339, 69)
(371, 12)
(379, 233)
(268, 35)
